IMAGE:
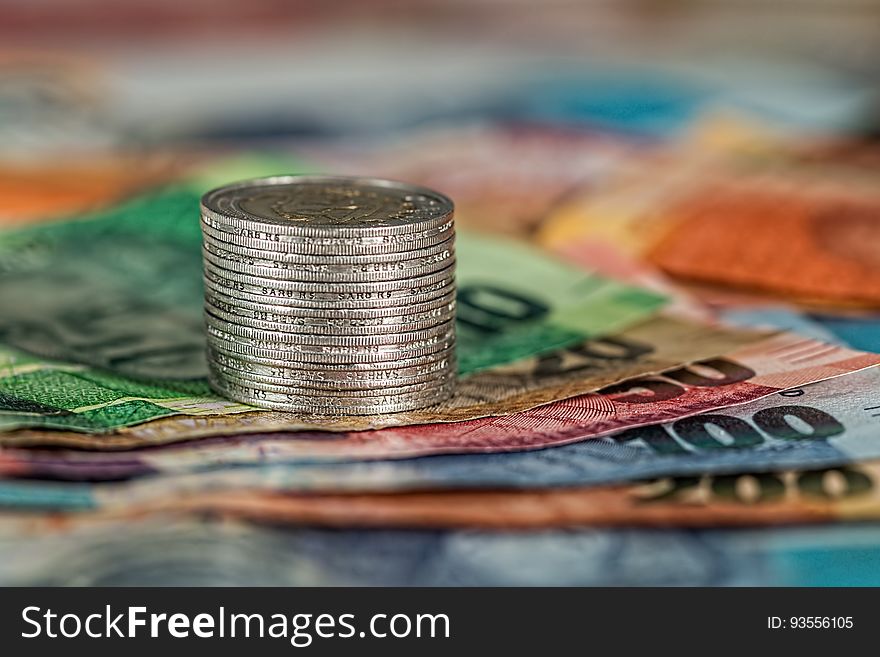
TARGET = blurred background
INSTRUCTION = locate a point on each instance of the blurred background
(88, 85)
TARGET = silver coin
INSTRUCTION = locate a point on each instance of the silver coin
(329, 325)
(285, 386)
(255, 336)
(369, 366)
(327, 353)
(363, 396)
(340, 378)
(341, 272)
(329, 205)
(276, 256)
(340, 246)
(334, 388)
(341, 397)
(328, 238)
(357, 296)
(410, 285)
(307, 360)
(329, 405)
(259, 310)
(360, 304)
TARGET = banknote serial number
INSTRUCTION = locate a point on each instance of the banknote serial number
(810, 623)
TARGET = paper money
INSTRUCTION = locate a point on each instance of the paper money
(658, 344)
(622, 213)
(808, 236)
(822, 425)
(800, 242)
(781, 317)
(857, 329)
(606, 259)
(838, 494)
(677, 394)
(825, 424)
(187, 552)
(104, 329)
(860, 331)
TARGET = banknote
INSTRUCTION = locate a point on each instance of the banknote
(622, 212)
(808, 244)
(606, 259)
(188, 552)
(747, 438)
(103, 321)
(825, 424)
(835, 494)
(786, 318)
(658, 344)
(687, 217)
(856, 330)
(859, 329)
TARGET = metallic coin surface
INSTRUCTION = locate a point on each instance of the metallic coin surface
(260, 309)
(248, 335)
(276, 256)
(411, 285)
(327, 353)
(330, 295)
(329, 326)
(323, 405)
(324, 378)
(289, 387)
(332, 302)
(330, 271)
(329, 205)
(338, 246)
(356, 368)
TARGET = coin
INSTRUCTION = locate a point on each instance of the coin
(333, 302)
(327, 353)
(340, 378)
(342, 246)
(274, 255)
(409, 286)
(251, 335)
(356, 368)
(329, 325)
(258, 310)
(321, 405)
(349, 271)
(370, 389)
(328, 206)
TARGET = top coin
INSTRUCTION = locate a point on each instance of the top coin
(326, 205)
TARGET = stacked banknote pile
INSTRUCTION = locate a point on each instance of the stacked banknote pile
(661, 355)
(330, 295)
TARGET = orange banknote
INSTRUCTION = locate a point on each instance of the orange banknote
(779, 239)
(799, 224)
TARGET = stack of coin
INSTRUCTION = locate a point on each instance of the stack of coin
(330, 295)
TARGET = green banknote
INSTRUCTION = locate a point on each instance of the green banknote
(102, 320)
